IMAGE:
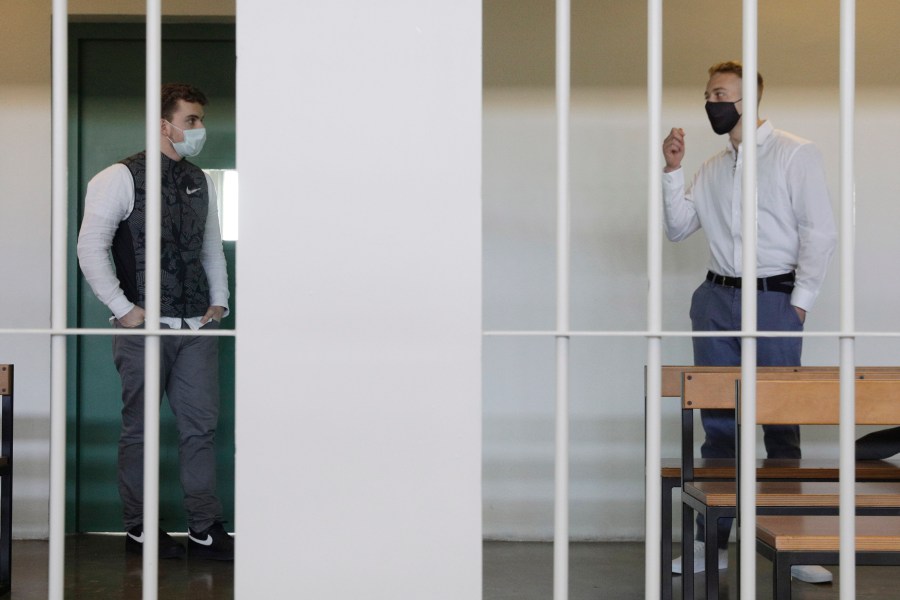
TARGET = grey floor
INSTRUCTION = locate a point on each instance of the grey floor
(97, 568)
(524, 571)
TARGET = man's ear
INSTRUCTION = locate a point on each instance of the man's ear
(163, 127)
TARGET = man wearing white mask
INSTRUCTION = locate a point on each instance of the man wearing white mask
(194, 294)
(796, 238)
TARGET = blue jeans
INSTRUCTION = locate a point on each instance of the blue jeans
(718, 308)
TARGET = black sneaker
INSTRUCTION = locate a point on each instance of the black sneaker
(168, 547)
(213, 544)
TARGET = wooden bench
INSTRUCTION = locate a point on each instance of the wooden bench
(804, 540)
(715, 387)
(717, 500)
(6, 476)
(792, 540)
(714, 470)
(711, 389)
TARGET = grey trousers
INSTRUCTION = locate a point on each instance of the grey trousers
(189, 377)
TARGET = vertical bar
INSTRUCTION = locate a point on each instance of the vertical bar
(747, 494)
(58, 296)
(653, 501)
(152, 308)
(653, 485)
(561, 506)
(847, 569)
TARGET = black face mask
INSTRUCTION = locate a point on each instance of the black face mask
(723, 116)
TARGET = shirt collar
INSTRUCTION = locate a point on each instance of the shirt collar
(763, 132)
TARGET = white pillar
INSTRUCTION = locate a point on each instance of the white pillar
(358, 356)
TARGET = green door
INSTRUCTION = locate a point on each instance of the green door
(106, 124)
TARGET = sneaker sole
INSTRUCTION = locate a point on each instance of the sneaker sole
(813, 579)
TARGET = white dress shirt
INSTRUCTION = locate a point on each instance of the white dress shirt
(795, 229)
(109, 201)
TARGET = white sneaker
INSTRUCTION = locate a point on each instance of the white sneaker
(811, 573)
(700, 559)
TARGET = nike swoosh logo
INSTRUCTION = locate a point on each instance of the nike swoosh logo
(191, 191)
(207, 542)
(139, 540)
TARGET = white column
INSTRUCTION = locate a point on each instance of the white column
(848, 324)
(747, 466)
(358, 471)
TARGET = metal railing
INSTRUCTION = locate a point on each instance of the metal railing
(748, 333)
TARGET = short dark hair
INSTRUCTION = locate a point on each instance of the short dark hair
(734, 66)
(173, 92)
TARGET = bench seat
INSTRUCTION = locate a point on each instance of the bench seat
(797, 493)
(805, 540)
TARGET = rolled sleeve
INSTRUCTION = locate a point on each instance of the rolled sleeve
(108, 201)
(817, 232)
(212, 255)
(680, 214)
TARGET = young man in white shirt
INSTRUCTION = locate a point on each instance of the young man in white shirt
(796, 238)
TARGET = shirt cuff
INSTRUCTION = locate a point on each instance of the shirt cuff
(673, 179)
(223, 302)
(802, 298)
(120, 306)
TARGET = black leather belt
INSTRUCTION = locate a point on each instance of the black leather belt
(777, 283)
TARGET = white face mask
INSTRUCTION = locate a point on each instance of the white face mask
(193, 141)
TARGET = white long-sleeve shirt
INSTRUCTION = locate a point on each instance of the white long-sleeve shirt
(109, 201)
(795, 230)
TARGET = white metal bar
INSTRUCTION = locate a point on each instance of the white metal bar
(64, 331)
(561, 492)
(653, 418)
(847, 436)
(758, 334)
(152, 303)
(561, 501)
(487, 333)
(747, 496)
(653, 486)
(562, 178)
(847, 569)
(58, 295)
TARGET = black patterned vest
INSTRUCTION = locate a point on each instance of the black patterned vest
(184, 288)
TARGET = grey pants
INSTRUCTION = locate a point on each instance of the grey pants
(189, 377)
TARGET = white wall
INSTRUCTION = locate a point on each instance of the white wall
(25, 248)
(358, 351)
(609, 213)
